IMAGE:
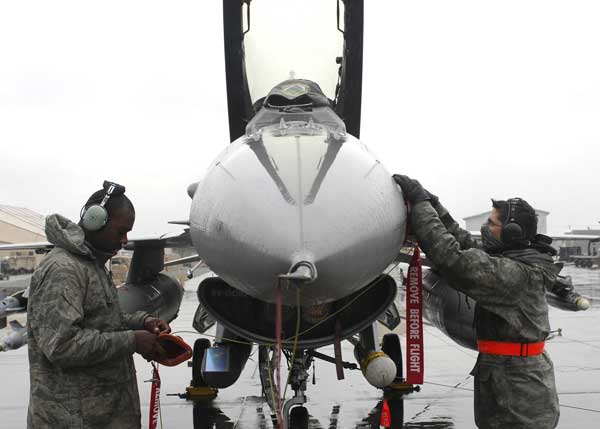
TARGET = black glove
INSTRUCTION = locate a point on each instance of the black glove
(413, 191)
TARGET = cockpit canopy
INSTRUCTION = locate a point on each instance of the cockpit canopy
(269, 40)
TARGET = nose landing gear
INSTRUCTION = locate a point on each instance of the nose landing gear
(294, 414)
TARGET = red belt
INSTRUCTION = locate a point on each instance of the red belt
(510, 349)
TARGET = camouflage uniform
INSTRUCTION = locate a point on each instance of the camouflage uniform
(510, 392)
(80, 344)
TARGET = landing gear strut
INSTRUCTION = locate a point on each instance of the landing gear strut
(294, 414)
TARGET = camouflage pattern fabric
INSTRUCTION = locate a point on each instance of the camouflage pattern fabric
(510, 391)
(80, 344)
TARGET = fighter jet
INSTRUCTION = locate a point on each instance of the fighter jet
(299, 221)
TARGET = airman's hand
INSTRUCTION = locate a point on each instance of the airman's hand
(146, 344)
(156, 325)
(413, 191)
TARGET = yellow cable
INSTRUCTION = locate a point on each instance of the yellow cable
(271, 383)
(287, 340)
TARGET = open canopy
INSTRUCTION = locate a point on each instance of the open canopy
(269, 41)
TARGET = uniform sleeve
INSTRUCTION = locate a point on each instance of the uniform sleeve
(136, 320)
(463, 237)
(59, 331)
(490, 280)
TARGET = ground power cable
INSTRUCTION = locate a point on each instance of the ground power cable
(457, 387)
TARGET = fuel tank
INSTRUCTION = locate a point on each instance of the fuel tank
(449, 310)
(160, 297)
(453, 312)
(296, 187)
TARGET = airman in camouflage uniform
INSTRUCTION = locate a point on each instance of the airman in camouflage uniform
(508, 283)
(80, 343)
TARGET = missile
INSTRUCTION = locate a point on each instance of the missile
(15, 339)
(160, 296)
(14, 303)
(562, 295)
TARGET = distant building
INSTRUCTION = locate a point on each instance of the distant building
(473, 223)
(20, 225)
(587, 231)
(587, 240)
(567, 244)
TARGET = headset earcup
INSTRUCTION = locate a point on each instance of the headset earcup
(94, 218)
(511, 232)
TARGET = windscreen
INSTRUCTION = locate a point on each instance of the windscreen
(292, 39)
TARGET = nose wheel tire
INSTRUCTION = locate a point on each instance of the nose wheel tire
(390, 345)
(298, 418)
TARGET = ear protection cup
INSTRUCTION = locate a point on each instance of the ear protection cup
(94, 218)
(512, 231)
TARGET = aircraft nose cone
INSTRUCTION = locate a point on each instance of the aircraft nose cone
(267, 204)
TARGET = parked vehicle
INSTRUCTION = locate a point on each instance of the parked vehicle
(18, 264)
(586, 261)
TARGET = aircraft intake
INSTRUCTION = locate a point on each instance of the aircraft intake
(254, 319)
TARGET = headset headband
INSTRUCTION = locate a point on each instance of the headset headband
(108, 193)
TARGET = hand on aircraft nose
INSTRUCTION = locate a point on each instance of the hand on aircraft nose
(413, 191)
(156, 325)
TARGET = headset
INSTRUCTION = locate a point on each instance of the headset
(512, 231)
(95, 217)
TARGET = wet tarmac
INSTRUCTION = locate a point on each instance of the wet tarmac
(445, 400)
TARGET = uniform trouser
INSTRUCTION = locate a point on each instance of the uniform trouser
(515, 392)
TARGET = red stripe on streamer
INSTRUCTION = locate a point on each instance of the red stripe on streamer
(154, 398)
(278, 322)
(414, 321)
(386, 416)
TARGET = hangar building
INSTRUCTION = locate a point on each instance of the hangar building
(20, 225)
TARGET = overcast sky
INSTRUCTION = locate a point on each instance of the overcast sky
(476, 99)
